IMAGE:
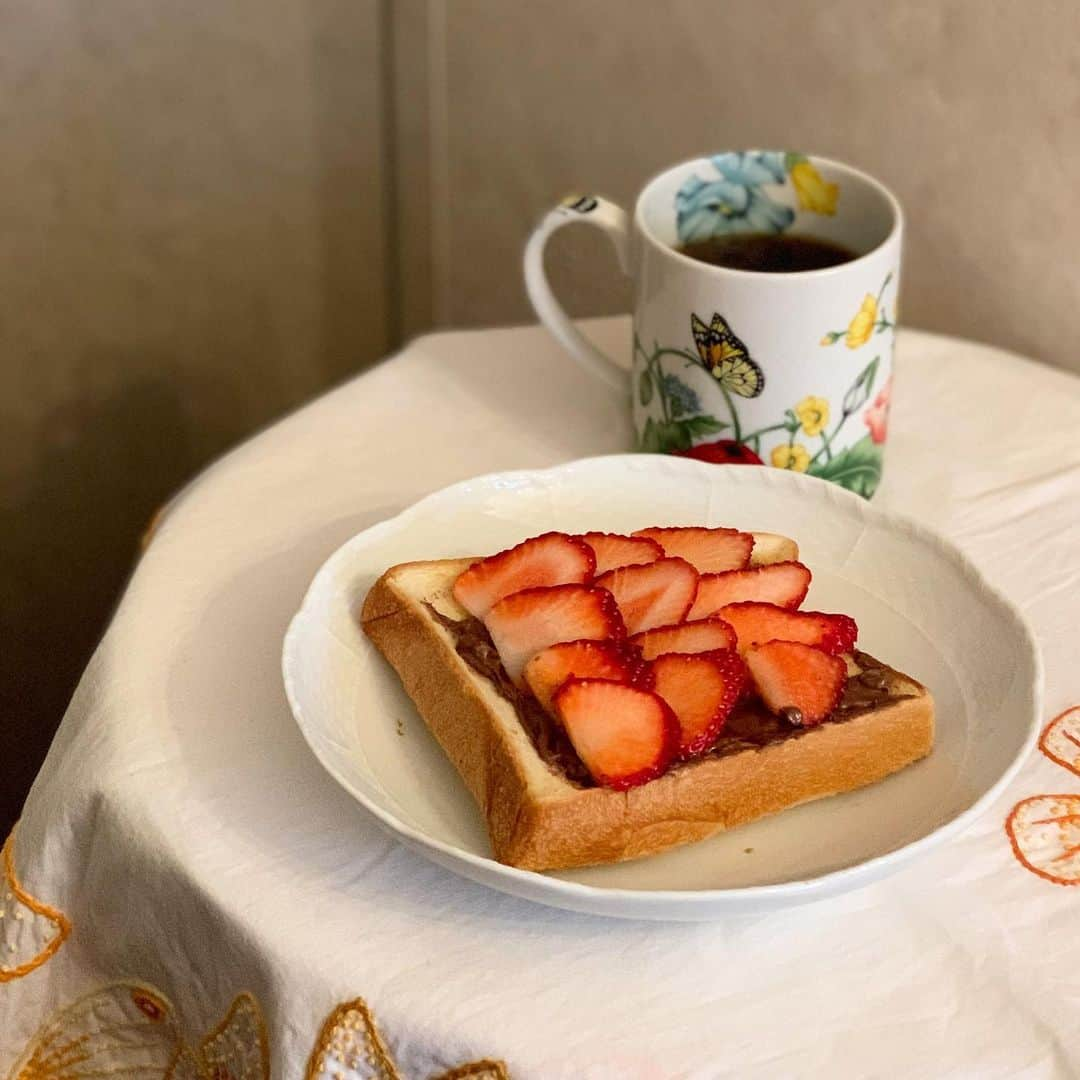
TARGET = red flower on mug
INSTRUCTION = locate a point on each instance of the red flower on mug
(722, 452)
(876, 417)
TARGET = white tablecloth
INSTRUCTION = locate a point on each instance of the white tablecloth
(186, 880)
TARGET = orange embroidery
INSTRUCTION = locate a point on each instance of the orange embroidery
(129, 1029)
(350, 1047)
(349, 1040)
(478, 1070)
(30, 931)
(1044, 831)
(1060, 741)
(120, 1029)
(238, 1048)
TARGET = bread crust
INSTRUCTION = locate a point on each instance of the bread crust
(538, 820)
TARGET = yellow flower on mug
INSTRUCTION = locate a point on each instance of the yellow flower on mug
(862, 326)
(796, 458)
(814, 193)
(871, 318)
(813, 414)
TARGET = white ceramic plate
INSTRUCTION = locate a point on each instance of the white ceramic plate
(920, 604)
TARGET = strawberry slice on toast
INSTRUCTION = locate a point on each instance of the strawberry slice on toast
(549, 559)
(624, 735)
(798, 682)
(656, 594)
(755, 624)
(613, 550)
(524, 623)
(782, 583)
(701, 635)
(701, 690)
(549, 669)
(709, 551)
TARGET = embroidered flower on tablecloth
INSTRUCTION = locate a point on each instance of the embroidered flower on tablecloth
(238, 1048)
(1044, 830)
(130, 1029)
(1045, 835)
(123, 1029)
(349, 1047)
(1060, 742)
(30, 930)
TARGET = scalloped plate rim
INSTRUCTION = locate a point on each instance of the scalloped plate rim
(673, 904)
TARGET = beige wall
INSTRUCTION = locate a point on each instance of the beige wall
(212, 210)
(970, 109)
(191, 241)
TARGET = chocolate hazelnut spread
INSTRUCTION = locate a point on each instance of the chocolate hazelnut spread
(750, 726)
(475, 647)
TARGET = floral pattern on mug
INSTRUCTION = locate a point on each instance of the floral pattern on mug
(735, 201)
(813, 414)
(794, 457)
(876, 418)
(721, 354)
(870, 319)
(814, 193)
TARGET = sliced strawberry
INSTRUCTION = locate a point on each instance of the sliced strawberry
(703, 635)
(528, 621)
(796, 681)
(701, 689)
(548, 670)
(652, 595)
(624, 735)
(782, 583)
(709, 551)
(755, 623)
(613, 550)
(550, 559)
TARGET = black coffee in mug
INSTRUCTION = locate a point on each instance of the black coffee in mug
(769, 253)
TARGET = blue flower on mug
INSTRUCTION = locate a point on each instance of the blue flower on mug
(734, 201)
(683, 400)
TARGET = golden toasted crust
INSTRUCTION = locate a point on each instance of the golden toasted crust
(538, 820)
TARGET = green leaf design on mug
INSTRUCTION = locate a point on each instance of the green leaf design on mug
(859, 393)
(704, 425)
(645, 388)
(663, 436)
(858, 468)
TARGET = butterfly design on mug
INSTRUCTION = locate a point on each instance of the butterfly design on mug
(726, 358)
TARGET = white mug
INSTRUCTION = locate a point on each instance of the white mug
(738, 366)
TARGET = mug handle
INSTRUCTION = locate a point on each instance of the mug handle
(590, 210)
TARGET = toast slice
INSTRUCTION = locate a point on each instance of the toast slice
(541, 815)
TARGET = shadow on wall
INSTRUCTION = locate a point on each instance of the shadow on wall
(70, 541)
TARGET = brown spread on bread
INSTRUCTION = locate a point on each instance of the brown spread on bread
(750, 726)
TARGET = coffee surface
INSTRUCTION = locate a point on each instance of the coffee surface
(770, 253)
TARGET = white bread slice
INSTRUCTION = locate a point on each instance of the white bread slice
(772, 547)
(539, 820)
